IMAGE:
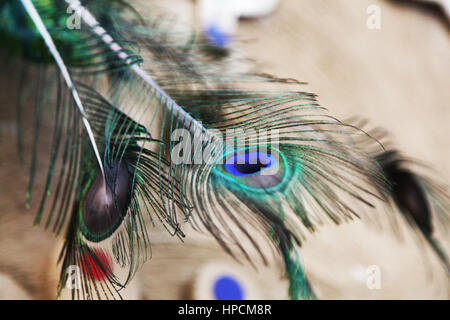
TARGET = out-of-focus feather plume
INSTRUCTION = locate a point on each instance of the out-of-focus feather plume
(413, 191)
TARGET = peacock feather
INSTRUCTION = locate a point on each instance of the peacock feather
(147, 126)
(414, 193)
(419, 199)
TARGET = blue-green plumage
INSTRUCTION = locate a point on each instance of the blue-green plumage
(20, 36)
(302, 158)
(138, 83)
(299, 286)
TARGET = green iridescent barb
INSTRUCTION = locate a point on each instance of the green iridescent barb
(299, 286)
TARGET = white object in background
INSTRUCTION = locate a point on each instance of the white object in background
(358, 272)
(219, 18)
(255, 8)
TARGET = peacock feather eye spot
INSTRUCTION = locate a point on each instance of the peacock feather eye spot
(105, 206)
(253, 170)
(248, 163)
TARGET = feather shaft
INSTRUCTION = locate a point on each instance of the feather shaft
(92, 22)
(34, 15)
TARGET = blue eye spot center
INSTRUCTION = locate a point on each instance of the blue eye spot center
(248, 163)
(228, 288)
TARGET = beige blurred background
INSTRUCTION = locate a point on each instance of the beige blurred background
(397, 77)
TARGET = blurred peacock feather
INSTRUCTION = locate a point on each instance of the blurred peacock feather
(140, 115)
(419, 199)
